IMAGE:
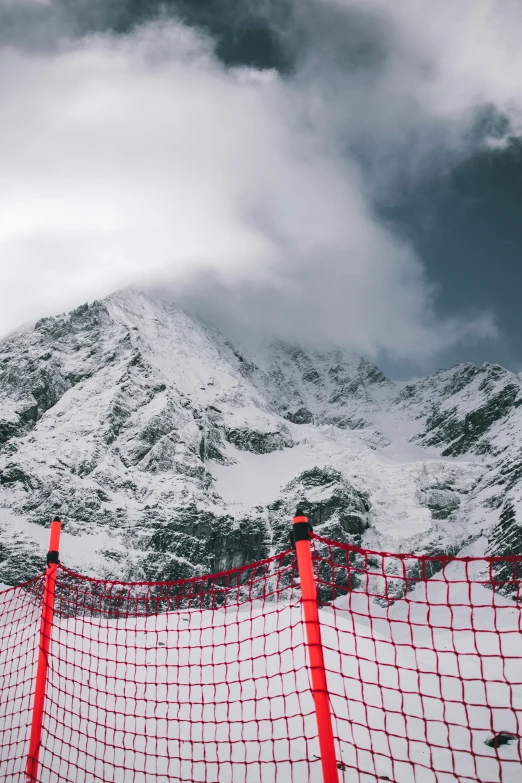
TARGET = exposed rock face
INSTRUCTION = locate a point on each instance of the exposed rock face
(506, 538)
(469, 402)
(247, 439)
(334, 507)
(332, 388)
(169, 451)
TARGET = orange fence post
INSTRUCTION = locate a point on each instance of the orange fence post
(46, 628)
(323, 713)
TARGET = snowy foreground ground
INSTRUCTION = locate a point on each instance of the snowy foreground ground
(224, 696)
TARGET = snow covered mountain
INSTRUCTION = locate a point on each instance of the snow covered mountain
(169, 451)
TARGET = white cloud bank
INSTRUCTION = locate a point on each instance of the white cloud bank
(139, 159)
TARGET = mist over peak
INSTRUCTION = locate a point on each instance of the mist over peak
(136, 151)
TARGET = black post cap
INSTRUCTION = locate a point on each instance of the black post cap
(301, 526)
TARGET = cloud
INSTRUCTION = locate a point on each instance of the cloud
(141, 158)
(411, 86)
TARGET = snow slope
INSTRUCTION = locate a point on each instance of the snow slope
(170, 450)
(224, 695)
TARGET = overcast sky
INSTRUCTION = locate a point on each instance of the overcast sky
(330, 171)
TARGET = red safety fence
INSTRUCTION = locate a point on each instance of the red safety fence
(209, 679)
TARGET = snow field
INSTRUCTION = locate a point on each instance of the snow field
(221, 696)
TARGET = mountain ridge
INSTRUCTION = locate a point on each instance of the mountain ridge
(170, 450)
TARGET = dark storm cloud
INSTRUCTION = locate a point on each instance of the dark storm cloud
(257, 34)
(137, 150)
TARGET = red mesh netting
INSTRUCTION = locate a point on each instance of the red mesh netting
(206, 679)
(20, 615)
(424, 664)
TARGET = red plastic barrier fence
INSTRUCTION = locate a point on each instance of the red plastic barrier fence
(424, 664)
(210, 679)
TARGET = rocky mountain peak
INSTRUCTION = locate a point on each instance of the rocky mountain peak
(171, 450)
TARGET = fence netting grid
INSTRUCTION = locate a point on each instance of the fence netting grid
(424, 664)
(20, 616)
(200, 680)
(206, 681)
